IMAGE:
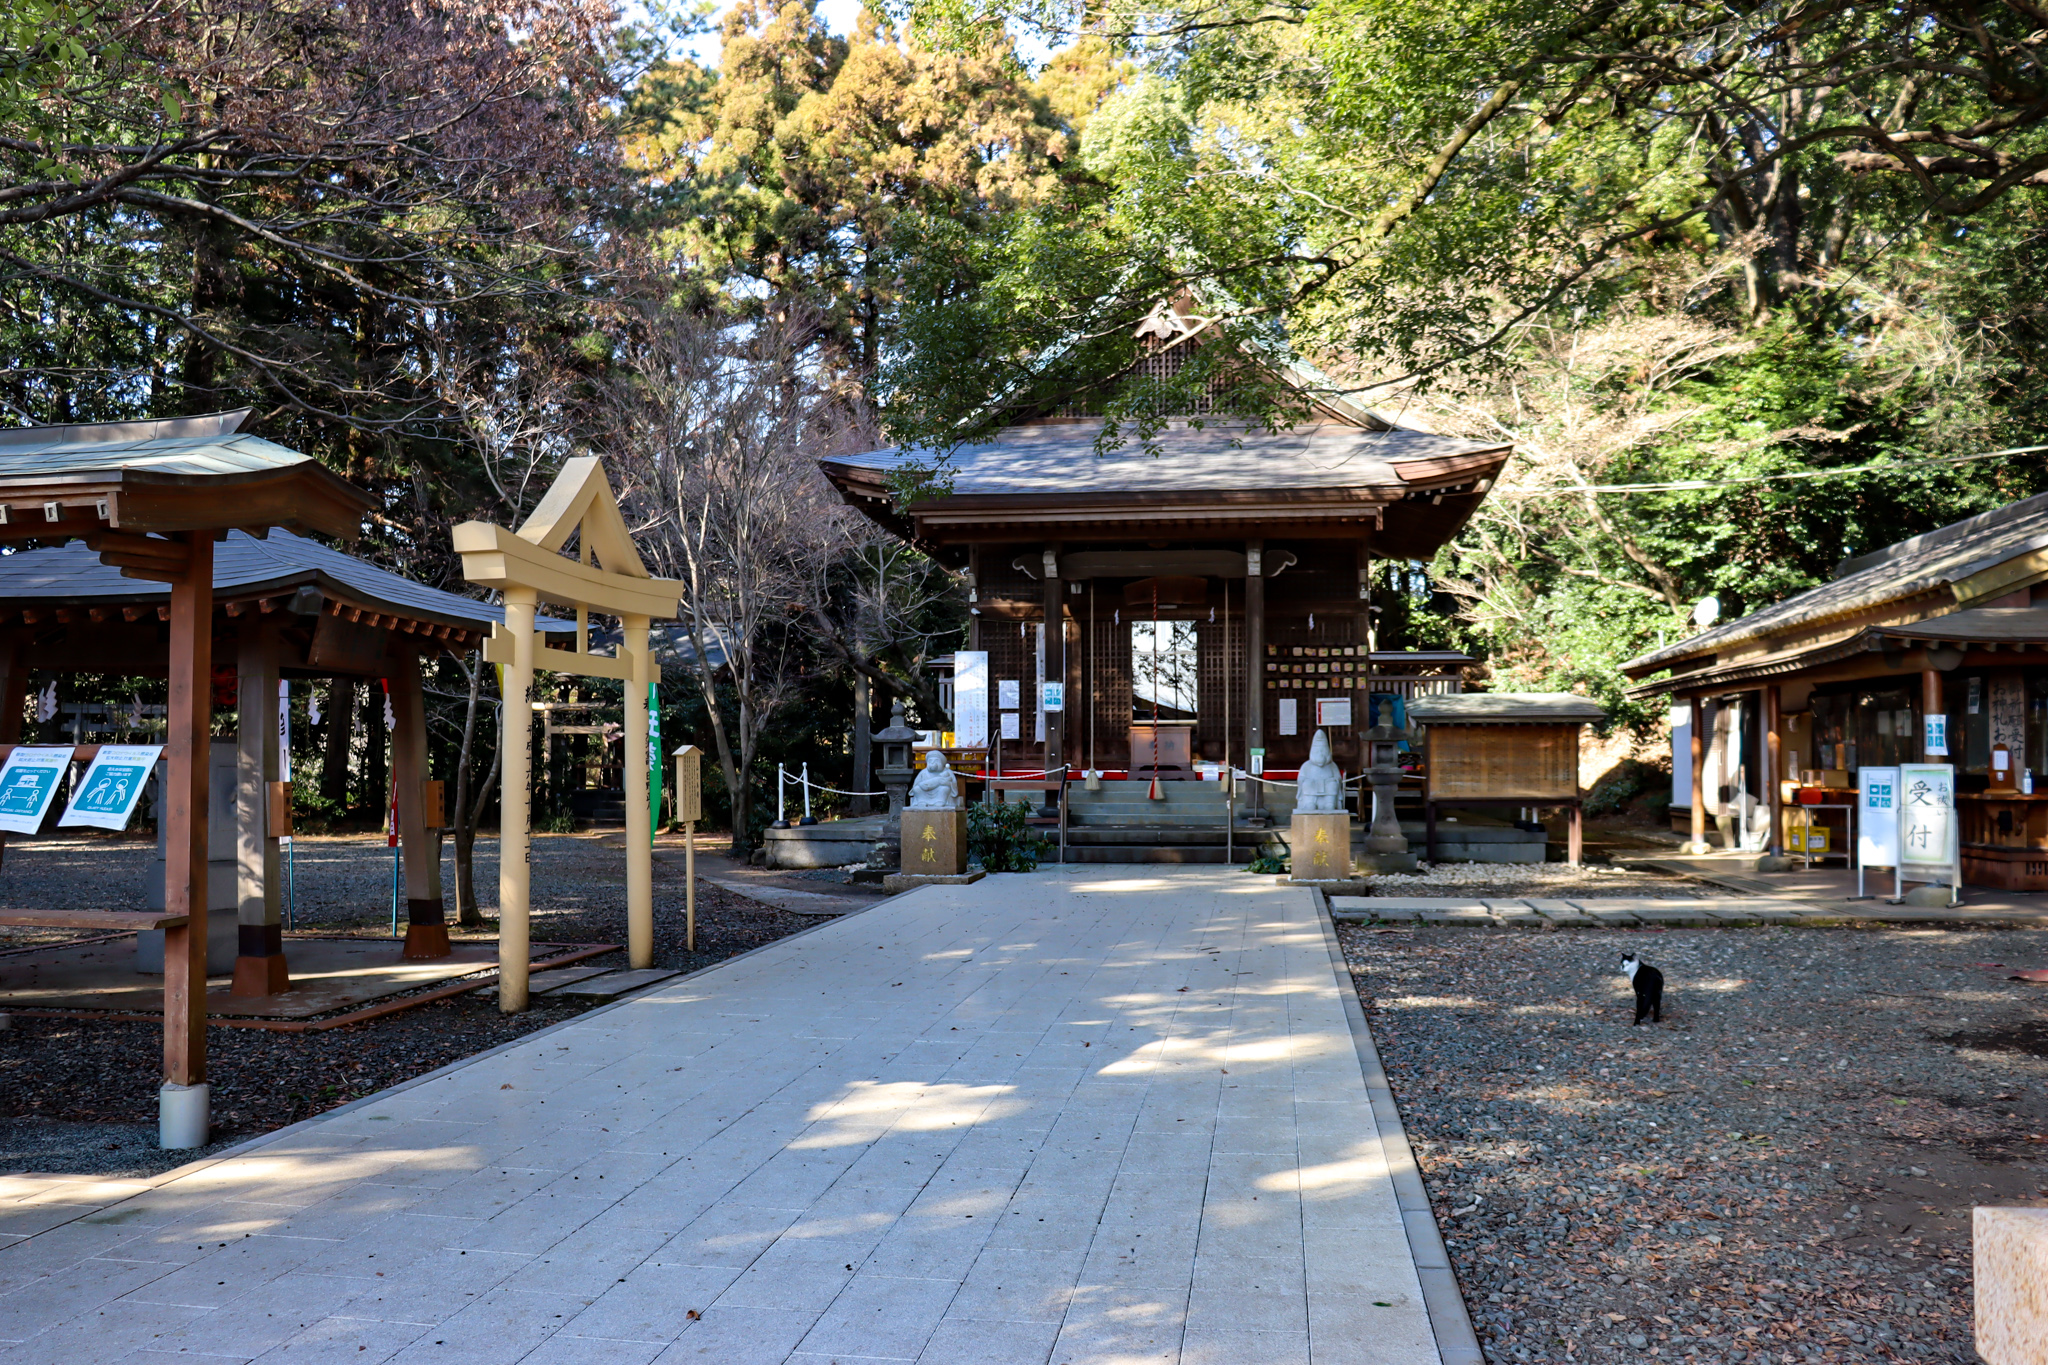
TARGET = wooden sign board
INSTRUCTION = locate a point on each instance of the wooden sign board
(434, 805)
(1533, 762)
(689, 784)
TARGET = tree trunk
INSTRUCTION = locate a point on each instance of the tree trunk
(341, 711)
(863, 745)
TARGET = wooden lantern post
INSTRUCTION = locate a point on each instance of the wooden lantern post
(689, 810)
(528, 566)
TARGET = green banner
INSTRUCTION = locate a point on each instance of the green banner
(653, 759)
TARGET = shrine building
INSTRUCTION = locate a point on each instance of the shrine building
(1211, 593)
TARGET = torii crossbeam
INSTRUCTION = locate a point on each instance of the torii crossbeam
(528, 567)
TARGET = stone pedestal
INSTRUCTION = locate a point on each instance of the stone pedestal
(2011, 1278)
(1320, 847)
(934, 843)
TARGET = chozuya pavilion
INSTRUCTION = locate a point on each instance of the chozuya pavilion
(1212, 594)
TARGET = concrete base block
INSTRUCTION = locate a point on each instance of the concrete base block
(1331, 887)
(2011, 1275)
(1779, 863)
(910, 881)
(1372, 864)
(184, 1115)
(1929, 897)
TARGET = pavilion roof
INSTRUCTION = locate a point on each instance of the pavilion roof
(177, 474)
(244, 568)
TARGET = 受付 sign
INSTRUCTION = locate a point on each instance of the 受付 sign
(1927, 815)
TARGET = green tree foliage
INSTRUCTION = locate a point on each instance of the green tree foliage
(782, 175)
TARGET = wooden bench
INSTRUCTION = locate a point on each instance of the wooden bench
(109, 921)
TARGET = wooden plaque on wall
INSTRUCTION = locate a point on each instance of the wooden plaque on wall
(1504, 762)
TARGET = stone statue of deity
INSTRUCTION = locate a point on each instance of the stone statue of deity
(1319, 789)
(934, 788)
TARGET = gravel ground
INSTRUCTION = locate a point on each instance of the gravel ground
(1534, 879)
(1783, 1170)
(80, 1094)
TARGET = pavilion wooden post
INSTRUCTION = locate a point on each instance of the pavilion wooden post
(1255, 663)
(639, 819)
(183, 1104)
(426, 910)
(514, 848)
(260, 967)
(13, 696)
(1774, 726)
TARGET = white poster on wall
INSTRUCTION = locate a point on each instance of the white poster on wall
(1010, 728)
(1333, 712)
(1009, 696)
(1287, 725)
(970, 698)
(1877, 817)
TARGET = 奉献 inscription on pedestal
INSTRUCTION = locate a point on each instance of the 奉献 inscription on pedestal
(1321, 847)
(934, 843)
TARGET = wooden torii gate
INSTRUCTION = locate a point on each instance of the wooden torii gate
(528, 567)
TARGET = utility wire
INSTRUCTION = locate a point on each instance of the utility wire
(1695, 485)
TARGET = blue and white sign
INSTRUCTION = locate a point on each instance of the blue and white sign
(112, 787)
(1052, 696)
(28, 784)
(1877, 817)
(1936, 736)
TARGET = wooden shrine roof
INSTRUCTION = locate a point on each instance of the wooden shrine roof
(1045, 480)
(179, 474)
(1506, 708)
(1959, 565)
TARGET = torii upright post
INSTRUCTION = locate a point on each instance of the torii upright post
(529, 567)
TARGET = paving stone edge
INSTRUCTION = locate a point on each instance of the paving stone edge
(1449, 1322)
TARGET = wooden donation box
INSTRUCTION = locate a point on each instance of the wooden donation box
(1320, 846)
(934, 843)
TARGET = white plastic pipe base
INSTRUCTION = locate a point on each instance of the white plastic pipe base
(184, 1114)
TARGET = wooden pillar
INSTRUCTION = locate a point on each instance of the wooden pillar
(1055, 666)
(260, 967)
(513, 800)
(1255, 661)
(1363, 636)
(184, 1103)
(1931, 704)
(974, 615)
(639, 820)
(1575, 836)
(1699, 776)
(426, 926)
(1774, 766)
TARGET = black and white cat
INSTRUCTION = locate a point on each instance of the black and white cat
(1649, 984)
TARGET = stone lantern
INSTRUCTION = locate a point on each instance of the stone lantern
(896, 774)
(1386, 848)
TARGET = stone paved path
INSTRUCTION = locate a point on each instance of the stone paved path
(1097, 1116)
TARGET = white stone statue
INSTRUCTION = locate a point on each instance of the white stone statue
(1319, 790)
(934, 788)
